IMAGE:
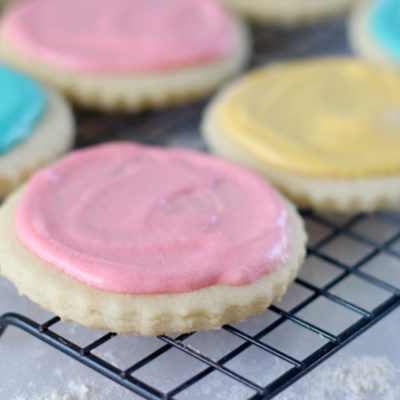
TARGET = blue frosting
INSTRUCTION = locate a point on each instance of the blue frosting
(22, 103)
(384, 25)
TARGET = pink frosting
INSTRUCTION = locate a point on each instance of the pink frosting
(132, 219)
(120, 35)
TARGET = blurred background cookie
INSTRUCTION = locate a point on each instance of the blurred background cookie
(36, 126)
(325, 131)
(125, 54)
(375, 31)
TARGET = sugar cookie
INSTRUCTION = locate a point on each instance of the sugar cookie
(126, 54)
(375, 31)
(36, 126)
(154, 241)
(325, 131)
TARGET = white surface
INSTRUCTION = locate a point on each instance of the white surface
(31, 370)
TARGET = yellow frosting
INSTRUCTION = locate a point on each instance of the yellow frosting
(324, 117)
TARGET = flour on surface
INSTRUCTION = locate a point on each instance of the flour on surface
(350, 378)
(76, 391)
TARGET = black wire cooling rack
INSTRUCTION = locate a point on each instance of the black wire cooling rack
(179, 127)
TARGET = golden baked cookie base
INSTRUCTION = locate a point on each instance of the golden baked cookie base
(135, 92)
(53, 134)
(202, 309)
(324, 194)
(288, 13)
(362, 42)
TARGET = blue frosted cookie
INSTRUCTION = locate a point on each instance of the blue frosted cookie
(375, 31)
(36, 126)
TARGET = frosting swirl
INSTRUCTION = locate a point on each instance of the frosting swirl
(131, 219)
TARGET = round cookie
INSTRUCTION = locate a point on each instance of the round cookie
(36, 126)
(288, 13)
(375, 31)
(325, 131)
(154, 241)
(126, 54)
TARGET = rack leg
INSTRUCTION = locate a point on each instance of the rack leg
(3, 327)
(5, 321)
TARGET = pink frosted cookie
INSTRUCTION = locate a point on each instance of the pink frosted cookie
(125, 54)
(152, 241)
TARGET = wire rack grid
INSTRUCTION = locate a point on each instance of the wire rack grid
(367, 267)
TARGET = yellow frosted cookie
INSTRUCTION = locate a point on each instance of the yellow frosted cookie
(325, 131)
(289, 12)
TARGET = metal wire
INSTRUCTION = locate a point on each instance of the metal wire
(179, 127)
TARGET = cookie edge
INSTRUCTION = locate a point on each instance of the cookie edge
(279, 16)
